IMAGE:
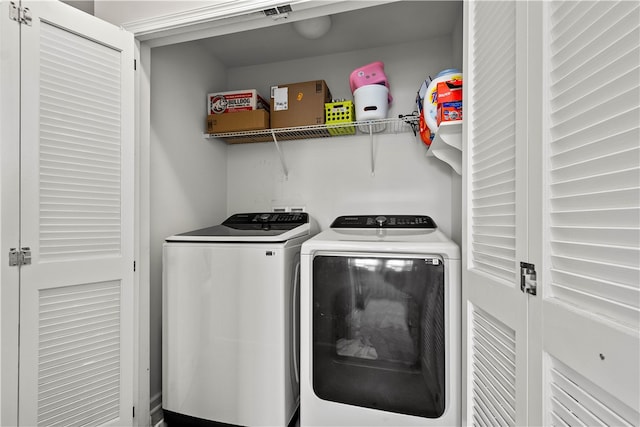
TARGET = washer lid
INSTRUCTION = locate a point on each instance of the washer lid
(251, 227)
(383, 221)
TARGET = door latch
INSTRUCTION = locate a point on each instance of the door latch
(19, 257)
(528, 282)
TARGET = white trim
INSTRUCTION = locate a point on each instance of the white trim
(465, 312)
(537, 86)
(156, 417)
(231, 17)
(214, 12)
(142, 253)
(9, 213)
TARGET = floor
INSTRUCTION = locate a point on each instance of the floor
(295, 422)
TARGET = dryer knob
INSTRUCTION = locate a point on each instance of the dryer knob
(381, 220)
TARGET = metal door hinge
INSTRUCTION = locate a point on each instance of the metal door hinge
(528, 282)
(19, 257)
(22, 15)
(14, 13)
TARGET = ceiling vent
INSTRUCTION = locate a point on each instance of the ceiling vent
(280, 12)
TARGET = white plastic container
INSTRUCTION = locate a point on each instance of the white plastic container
(371, 103)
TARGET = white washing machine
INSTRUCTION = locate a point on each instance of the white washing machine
(380, 324)
(230, 349)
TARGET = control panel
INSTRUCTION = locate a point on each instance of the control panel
(271, 218)
(383, 221)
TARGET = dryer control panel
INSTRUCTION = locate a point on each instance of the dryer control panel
(383, 221)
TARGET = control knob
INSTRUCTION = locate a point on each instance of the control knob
(381, 220)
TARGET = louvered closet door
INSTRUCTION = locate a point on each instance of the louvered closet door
(591, 294)
(494, 223)
(76, 297)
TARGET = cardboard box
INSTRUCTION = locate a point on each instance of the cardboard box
(238, 122)
(234, 101)
(449, 91)
(449, 112)
(449, 96)
(299, 104)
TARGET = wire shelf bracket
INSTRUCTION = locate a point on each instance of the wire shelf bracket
(277, 135)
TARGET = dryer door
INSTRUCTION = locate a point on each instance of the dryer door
(379, 332)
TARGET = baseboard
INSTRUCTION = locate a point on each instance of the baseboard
(156, 410)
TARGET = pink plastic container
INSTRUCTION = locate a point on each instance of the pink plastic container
(370, 74)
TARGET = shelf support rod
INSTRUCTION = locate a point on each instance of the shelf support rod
(281, 154)
(373, 169)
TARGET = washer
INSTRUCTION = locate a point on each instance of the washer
(380, 324)
(230, 323)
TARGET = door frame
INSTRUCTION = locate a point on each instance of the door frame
(536, 183)
(9, 213)
(142, 390)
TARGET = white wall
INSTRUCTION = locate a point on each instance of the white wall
(188, 173)
(331, 176)
(84, 5)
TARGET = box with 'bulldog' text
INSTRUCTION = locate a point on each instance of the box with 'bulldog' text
(234, 101)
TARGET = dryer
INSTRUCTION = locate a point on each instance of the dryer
(230, 349)
(380, 324)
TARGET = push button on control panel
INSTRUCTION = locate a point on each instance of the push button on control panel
(381, 220)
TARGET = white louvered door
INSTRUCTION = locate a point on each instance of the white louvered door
(494, 219)
(76, 297)
(581, 228)
(590, 298)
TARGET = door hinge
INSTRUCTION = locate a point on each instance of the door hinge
(19, 257)
(528, 282)
(134, 266)
(134, 412)
(22, 15)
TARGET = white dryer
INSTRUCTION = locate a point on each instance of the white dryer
(380, 324)
(230, 349)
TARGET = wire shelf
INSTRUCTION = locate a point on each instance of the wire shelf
(378, 126)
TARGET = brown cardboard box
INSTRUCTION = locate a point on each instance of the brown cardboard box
(299, 104)
(233, 101)
(238, 121)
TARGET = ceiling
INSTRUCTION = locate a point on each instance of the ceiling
(376, 26)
